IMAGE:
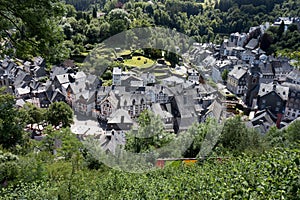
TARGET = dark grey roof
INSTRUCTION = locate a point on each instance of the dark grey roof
(22, 77)
(262, 117)
(111, 97)
(215, 110)
(57, 95)
(266, 68)
(57, 71)
(87, 97)
(252, 44)
(186, 122)
(265, 89)
(111, 140)
(248, 52)
(292, 86)
(157, 109)
(294, 75)
(186, 106)
(204, 89)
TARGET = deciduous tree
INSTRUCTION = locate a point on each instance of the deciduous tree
(60, 113)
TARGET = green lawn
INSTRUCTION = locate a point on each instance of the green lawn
(139, 62)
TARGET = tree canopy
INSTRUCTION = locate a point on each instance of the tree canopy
(60, 113)
(31, 27)
(11, 125)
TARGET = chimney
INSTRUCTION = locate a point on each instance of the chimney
(122, 119)
(274, 84)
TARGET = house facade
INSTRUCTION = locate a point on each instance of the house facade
(237, 80)
(292, 110)
(273, 97)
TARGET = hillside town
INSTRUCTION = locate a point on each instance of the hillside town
(236, 77)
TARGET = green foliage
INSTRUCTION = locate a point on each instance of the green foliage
(35, 114)
(60, 113)
(36, 30)
(273, 175)
(292, 131)
(237, 138)
(8, 166)
(225, 74)
(149, 136)
(283, 137)
(62, 143)
(11, 125)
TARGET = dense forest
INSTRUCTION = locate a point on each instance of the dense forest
(62, 30)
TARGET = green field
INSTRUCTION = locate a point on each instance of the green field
(139, 62)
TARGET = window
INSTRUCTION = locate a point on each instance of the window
(278, 103)
(263, 101)
(276, 109)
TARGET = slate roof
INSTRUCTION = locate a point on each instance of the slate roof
(157, 109)
(110, 142)
(20, 102)
(247, 52)
(78, 75)
(77, 87)
(265, 89)
(291, 86)
(173, 79)
(91, 80)
(116, 117)
(294, 75)
(238, 72)
(262, 117)
(103, 91)
(57, 95)
(111, 97)
(258, 51)
(252, 44)
(215, 110)
(63, 78)
(87, 97)
(266, 68)
(204, 89)
(21, 77)
(185, 104)
(57, 71)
